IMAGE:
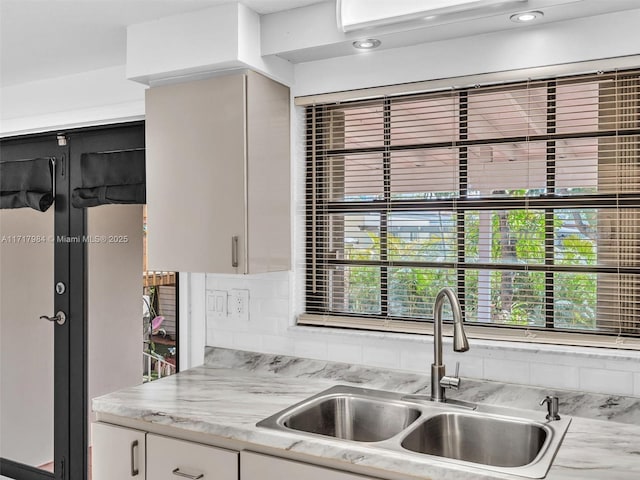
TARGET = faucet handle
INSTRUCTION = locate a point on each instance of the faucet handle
(451, 382)
(552, 407)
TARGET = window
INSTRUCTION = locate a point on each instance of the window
(524, 196)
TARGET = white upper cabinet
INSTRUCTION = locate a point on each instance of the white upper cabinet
(218, 175)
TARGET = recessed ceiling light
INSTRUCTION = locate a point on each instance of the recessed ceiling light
(525, 17)
(367, 44)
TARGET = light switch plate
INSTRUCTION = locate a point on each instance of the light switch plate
(216, 304)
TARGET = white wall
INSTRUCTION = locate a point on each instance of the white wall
(90, 98)
(114, 299)
(276, 299)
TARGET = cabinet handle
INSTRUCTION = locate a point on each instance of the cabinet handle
(177, 472)
(234, 251)
(134, 470)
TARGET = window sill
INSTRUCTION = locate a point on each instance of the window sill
(601, 346)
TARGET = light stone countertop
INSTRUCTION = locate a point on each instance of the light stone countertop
(234, 390)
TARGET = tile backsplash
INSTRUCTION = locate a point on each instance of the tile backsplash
(271, 328)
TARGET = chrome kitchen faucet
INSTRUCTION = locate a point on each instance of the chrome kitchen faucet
(460, 344)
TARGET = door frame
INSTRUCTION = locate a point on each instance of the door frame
(47, 146)
(94, 139)
(71, 394)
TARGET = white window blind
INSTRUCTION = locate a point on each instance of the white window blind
(523, 196)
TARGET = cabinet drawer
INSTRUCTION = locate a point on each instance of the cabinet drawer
(256, 466)
(170, 459)
(118, 453)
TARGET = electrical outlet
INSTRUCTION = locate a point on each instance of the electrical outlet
(239, 304)
(217, 303)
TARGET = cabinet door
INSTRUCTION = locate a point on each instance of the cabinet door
(255, 466)
(196, 175)
(171, 459)
(269, 182)
(118, 453)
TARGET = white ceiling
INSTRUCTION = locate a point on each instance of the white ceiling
(297, 42)
(50, 38)
(42, 39)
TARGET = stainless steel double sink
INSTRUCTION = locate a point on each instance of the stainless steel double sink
(499, 439)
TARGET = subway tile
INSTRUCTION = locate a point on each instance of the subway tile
(417, 360)
(549, 354)
(247, 341)
(628, 365)
(284, 323)
(555, 376)
(219, 338)
(274, 307)
(381, 356)
(264, 325)
(484, 352)
(226, 282)
(283, 288)
(210, 339)
(344, 352)
(510, 371)
(528, 355)
(211, 281)
(609, 382)
(266, 288)
(420, 360)
(277, 344)
(255, 306)
(578, 360)
(316, 349)
(227, 323)
(471, 366)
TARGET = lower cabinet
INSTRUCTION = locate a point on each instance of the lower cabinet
(118, 453)
(255, 466)
(123, 453)
(170, 459)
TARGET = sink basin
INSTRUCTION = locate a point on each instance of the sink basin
(484, 440)
(488, 437)
(351, 417)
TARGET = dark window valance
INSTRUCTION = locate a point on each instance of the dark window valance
(107, 178)
(26, 183)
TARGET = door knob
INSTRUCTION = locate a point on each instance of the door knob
(60, 318)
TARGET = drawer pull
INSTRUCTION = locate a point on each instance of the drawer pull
(134, 470)
(177, 472)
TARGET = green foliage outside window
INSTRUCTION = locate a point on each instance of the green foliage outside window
(516, 297)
